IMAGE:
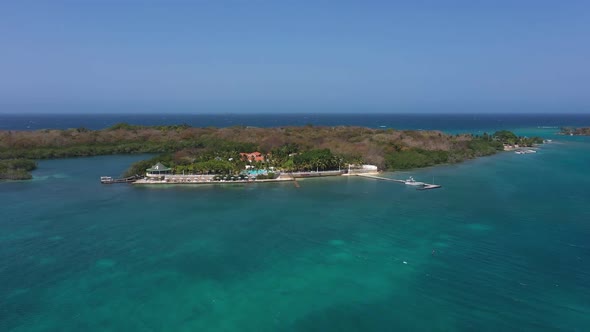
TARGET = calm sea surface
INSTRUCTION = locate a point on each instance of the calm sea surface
(445, 122)
(503, 246)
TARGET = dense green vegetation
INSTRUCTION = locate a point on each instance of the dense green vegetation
(217, 150)
(317, 159)
(16, 169)
(95, 149)
(417, 157)
(509, 138)
(506, 137)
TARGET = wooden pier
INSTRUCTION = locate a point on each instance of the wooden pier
(380, 178)
(110, 180)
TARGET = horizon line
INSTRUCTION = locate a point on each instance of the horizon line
(291, 113)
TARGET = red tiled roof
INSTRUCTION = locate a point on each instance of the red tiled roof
(252, 156)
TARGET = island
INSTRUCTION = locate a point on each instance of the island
(245, 151)
(570, 131)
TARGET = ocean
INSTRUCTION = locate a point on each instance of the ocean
(444, 122)
(502, 246)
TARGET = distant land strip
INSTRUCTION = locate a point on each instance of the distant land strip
(291, 148)
(584, 131)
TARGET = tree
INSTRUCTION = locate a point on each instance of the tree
(506, 137)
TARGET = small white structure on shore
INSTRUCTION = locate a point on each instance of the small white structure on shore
(362, 169)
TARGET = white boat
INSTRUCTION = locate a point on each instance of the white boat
(429, 186)
(106, 179)
(411, 182)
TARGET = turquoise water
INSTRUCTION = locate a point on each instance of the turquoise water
(502, 246)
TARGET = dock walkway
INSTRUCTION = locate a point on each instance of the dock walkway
(380, 178)
(110, 180)
(423, 186)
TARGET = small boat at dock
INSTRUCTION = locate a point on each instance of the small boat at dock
(525, 151)
(429, 186)
(411, 182)
(106, 179)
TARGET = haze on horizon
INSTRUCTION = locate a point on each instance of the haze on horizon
(304, 56)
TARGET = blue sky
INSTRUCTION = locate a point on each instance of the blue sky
(294, 56)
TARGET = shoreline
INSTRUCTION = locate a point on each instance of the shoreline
(146, 182)
(192, 179)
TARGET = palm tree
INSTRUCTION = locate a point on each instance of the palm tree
(323, 163)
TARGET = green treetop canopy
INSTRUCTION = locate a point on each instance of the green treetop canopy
(158, 168)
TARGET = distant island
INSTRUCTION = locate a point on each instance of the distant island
(575, 131)
(226, 151)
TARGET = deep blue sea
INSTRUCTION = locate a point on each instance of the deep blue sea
(503, 246)
(444, 122)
